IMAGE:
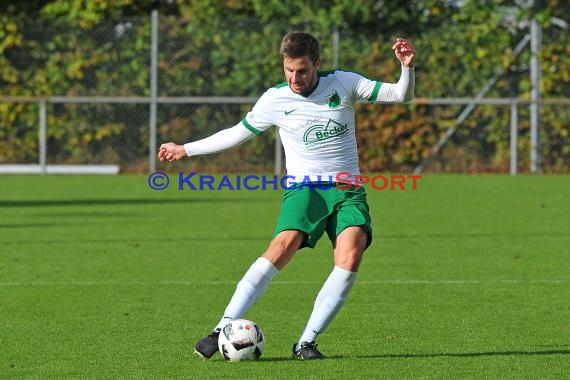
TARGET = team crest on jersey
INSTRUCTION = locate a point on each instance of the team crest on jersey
(318, 132)
(334, 100)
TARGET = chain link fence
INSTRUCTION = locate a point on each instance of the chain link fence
(105, 117)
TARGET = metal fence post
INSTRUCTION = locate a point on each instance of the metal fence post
(514, 136)
(153, 92)
(278, 153)
(43, 136)
(535, 33)
(336, 47)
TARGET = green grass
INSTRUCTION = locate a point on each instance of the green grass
(102, 277)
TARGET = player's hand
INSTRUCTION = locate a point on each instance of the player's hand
(405, 52)
(171, 152)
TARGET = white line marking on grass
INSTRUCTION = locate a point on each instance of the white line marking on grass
(233, 282)
(461, 282)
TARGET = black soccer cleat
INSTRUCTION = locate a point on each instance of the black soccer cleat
(307, 351)
(207, 346)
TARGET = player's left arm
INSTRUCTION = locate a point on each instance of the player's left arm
(403, 91)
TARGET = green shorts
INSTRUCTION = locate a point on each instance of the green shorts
(314, 210)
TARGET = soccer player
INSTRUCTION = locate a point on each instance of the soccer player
(314, 113)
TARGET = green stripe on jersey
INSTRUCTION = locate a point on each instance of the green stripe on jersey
(251, 128)
(374, 94)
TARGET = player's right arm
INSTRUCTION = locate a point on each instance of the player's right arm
(255, 123)
(220, 141)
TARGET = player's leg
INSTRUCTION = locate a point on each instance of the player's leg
(348, 251)
(349, 248)
(301, 223)
(253, 284)
(352, 227)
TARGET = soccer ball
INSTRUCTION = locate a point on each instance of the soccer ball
(241, 339)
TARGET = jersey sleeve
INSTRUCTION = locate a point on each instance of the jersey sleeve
(220, 141)
(401, 92)
(362, 88)
(375, 91)
(260, 118)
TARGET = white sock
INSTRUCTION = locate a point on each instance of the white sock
(248, 290)
(328, 302)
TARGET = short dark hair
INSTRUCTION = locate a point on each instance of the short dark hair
(300, 44)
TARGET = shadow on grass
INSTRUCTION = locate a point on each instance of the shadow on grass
(120, 201)
(434, 355)
(292, 359)
(468, 354)
(129, 241)
(34, 225)
(459, 235)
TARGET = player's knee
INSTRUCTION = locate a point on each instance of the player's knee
(348, 259)
(288, 240)
(283, 247)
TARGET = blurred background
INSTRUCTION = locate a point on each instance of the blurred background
(101, 83)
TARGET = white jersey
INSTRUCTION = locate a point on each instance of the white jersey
(317, 130)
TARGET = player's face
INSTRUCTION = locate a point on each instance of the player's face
(301, 73)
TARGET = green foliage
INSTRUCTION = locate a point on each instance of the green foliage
(230, 48)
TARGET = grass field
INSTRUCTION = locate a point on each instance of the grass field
(102, 277)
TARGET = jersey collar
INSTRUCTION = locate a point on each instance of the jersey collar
(307, 93)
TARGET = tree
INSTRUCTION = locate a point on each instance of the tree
(230, 48)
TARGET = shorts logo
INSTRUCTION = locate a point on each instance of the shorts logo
(319, 133)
